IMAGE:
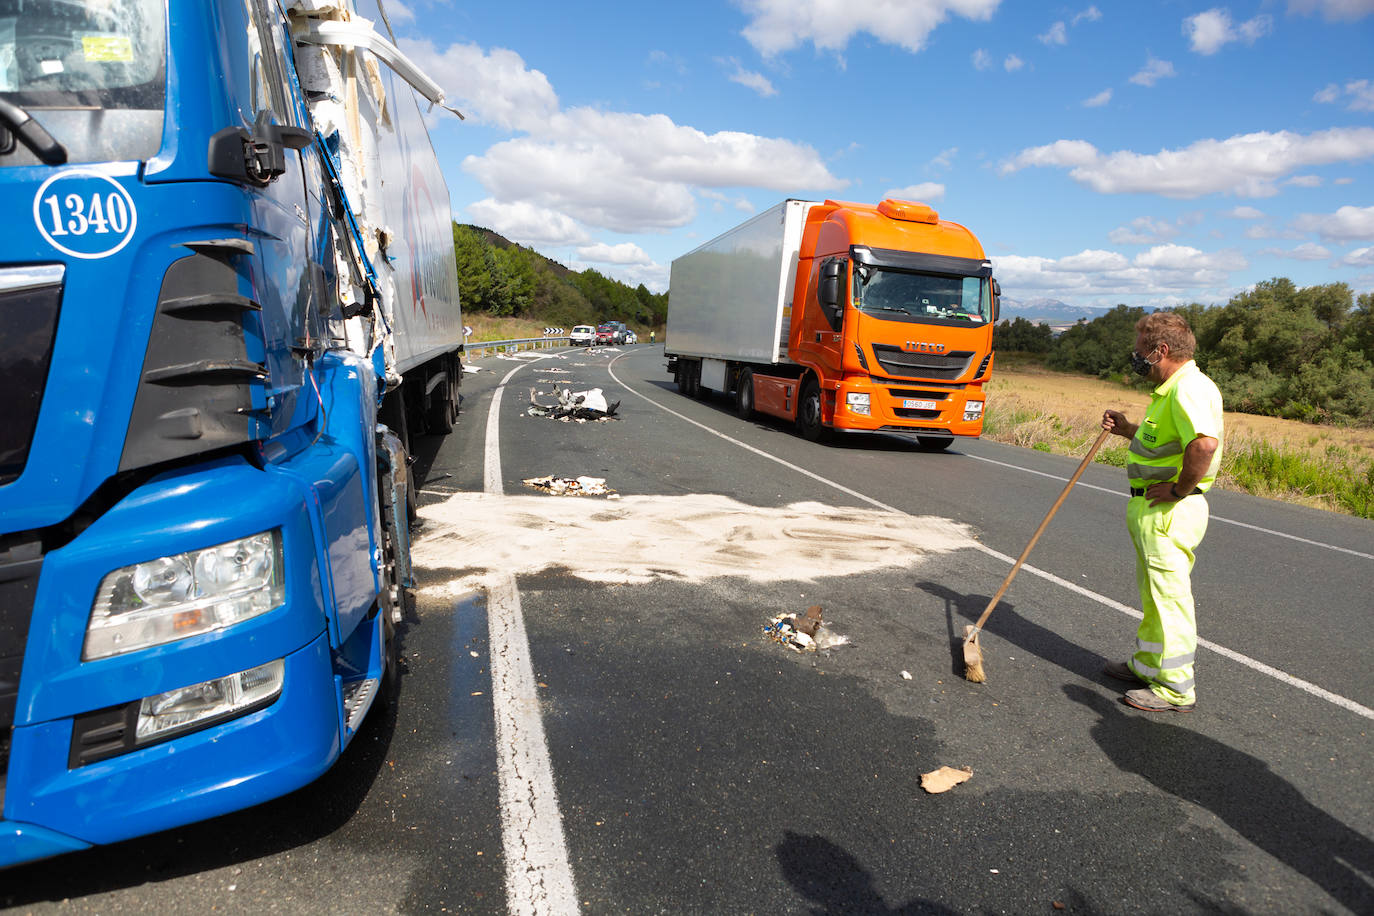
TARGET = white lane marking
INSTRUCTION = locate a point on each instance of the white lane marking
(1261, 667)
(539, 878)
(1215, 518)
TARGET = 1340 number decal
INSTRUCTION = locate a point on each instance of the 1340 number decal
(84, 214)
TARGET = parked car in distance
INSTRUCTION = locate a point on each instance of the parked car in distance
(620, 330)
(631, 337)
(584, 335)
(605, 333)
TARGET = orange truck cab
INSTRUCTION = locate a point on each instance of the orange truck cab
(840, 316)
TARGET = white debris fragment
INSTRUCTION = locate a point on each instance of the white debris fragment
(570, 486)
(906, 675)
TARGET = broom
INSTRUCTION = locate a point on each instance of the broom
(973, 652)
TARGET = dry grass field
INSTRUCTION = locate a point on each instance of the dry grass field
(1061, 413)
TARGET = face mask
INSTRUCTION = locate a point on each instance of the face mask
(1140, 364)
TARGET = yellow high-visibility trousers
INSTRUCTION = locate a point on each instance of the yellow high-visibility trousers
(1165, 539)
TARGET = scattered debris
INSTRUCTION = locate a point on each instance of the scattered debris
(571, 486)
(906, 675)
(575, 406)
(945, 778)
(807, 633)
(469, 368)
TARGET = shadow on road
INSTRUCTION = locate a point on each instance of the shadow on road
(1243, 792)
(833, 879)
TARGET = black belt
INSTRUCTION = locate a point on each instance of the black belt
(1140, 491)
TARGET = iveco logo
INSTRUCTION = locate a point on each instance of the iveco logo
(920, 346)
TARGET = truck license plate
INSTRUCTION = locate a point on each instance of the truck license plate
(913, 404)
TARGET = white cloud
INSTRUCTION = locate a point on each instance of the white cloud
(1246, 165)
(1012, 63)
(982, 60)
(1348, 224)
(626, 253)
(944, 159)
(924, 192)
(396, 11)
(527, 224)
(1058, 34)
(1090, 261)
(1091, 14)
(752, 80)
(1097, 101)
(1359, 257)
(490, 88)
(1307, 251)
(1360, 93)
(1153, 71)
(776, 26)
(1143, 231)
(1165, 272)
(1208, 31)
(1305, 181)
(1333, 10)
(1244, 213)
(620, 171)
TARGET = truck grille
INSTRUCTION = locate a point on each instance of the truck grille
(19, 567)
(898, 362)
(29, 300)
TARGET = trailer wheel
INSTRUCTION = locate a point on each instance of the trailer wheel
(443, 404)
(934, 443)
(744, 395)
(682, 376)
(809, 412)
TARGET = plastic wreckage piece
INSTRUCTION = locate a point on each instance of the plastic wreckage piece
(805, 633)
(575, 406)
(945, 778)
(572, 486)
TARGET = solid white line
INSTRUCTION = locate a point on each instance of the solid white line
(1215, 518)
(1323, 693)
(539, 878)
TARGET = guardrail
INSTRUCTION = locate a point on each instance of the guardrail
(510, 346)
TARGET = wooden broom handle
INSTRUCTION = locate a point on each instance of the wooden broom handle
(1082, 466)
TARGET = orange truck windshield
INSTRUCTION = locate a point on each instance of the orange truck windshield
(900, 295)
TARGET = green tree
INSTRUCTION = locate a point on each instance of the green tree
(1022, 336)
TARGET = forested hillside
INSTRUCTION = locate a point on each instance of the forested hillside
(499, 278)
(1304, 354)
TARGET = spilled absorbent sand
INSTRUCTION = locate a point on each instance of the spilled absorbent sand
(689, 538)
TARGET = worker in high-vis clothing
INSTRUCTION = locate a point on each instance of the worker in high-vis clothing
(1173, 460)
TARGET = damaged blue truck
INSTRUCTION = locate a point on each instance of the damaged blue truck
(227, 300)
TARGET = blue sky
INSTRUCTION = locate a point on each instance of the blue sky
(1143, 153)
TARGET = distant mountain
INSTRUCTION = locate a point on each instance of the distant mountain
(1047, 311)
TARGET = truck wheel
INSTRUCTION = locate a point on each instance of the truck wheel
(934, 443)
(744, 395)
(443, 405)
(680, 375)
(809, 412)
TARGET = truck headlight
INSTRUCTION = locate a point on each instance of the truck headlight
(175, 597)
(973, 410)
(188, 708)
(857, 402)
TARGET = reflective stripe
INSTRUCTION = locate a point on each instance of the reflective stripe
(1154, 647)
(1162, 451)
(1145, 671)
(1178, 661)
(1150, 472)
(1182, 687)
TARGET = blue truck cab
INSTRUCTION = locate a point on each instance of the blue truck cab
(203, 537)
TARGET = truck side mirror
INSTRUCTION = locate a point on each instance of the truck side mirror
(829, 289)
(996, 299)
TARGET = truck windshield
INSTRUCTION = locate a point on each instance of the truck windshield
(901, 295)
(91, 72)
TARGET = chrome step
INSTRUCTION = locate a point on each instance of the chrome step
(357, 699)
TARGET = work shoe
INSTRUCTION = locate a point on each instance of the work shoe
(1145, 699)
(1122, 672)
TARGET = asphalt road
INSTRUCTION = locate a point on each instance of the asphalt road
(698, 767)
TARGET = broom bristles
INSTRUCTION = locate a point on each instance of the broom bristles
(973, 657)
